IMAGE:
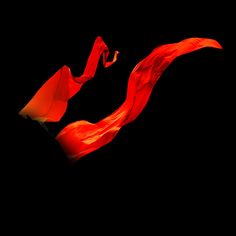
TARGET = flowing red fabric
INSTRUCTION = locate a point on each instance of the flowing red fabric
(50, 102)
(82, 137)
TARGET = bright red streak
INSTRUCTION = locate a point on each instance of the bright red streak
(82, 137)
(50, 102)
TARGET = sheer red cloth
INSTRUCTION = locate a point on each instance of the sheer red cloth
(82, 137)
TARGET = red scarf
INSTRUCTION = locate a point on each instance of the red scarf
(82, 137)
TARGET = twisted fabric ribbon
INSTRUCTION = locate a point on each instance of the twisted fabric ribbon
(82, 137)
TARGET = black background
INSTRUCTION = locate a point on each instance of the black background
(170, 159)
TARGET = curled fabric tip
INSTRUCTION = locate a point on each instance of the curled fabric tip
(50, 101)
(82, 137)
(109, 63)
